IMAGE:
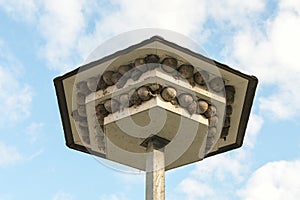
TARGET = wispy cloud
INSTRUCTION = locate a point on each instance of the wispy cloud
(36, 154)
(74, 28)
(9, 155)
(61, 27)
(63, 196)
(226, 12)
(24, 10)
(275, 180)
(233, 166)
(254, 126)
(195, 190)
(33, 131)
(271, 53)
(118, 196)
(15, 96)
(64, 28)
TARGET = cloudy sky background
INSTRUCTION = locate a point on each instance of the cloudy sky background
(42, 39)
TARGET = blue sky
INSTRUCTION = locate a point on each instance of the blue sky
(40, 40)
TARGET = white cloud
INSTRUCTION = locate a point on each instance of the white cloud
(185, 17)
(33, 131)
(291, 5)
(276, 180)
(69, 38)
(231, 167)
(227, 12)
(109, 197)
(221, 166)
(20, 9)
(284, 104)
(118, 196)
(132, 37)
(253, 128)
(9, 155)
(195, 190)
(217, 170)
(74, 28)
(15, 96)
(16, 105)
(61, 23)
(63, 196)
(271, 53)
(34, 155)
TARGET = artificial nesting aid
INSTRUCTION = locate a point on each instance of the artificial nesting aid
(124, 100)
(185, 100)
(82, 87)
(83, 122)
(92, 83)
(186, 71)
(139, 63)
(169, 64)
(111, 105)
(144, 93)
(101, 84)
(107, 77)
(125, 69)
(115, 77)
(152, 61)
(100, 109)
(202, 106)
(201, 77)
(155, 88)
(230, 92)
(192, 108)
(80, 98)
(152, 58)
(212, 131)
(75, 115)
(211, 111)
(213, 121)
(134, 98)
(217, 84)
(81, 110)
(168, 94)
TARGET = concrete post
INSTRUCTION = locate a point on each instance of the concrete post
(155, 173)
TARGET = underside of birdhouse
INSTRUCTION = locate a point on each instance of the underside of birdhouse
(195, 107)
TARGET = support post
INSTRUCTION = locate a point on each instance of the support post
(155, 172)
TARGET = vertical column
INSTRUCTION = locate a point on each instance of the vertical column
(155, 173)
